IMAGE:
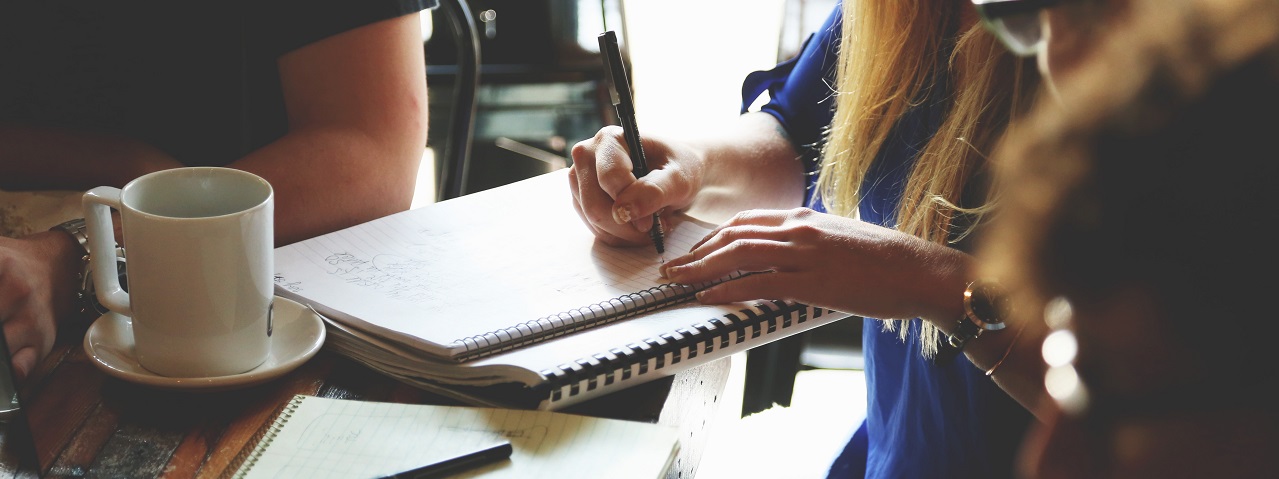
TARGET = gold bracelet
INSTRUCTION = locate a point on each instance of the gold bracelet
(1007, 352)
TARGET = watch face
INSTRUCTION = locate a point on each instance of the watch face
(987, 302)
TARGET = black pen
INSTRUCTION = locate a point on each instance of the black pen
(619, 90)
(457, 464)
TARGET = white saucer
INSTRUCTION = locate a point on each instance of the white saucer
(298, 335)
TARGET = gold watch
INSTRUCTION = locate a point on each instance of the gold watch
(986, 306)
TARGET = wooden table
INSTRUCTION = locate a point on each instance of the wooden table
(87, 424)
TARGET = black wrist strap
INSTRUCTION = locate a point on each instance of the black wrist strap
(967, 331)
(954, 345)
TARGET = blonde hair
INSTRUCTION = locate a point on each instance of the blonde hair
(892, 53)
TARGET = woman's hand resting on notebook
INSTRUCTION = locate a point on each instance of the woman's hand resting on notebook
(827, 261)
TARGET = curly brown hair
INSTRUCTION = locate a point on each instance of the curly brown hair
(1156, 174)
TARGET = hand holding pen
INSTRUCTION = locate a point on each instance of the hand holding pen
(619, 88)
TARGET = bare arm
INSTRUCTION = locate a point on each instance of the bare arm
(859, 268)
(749, 165)
(357, 113)
(36, 158)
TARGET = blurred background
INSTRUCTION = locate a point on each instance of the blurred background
(540, 85)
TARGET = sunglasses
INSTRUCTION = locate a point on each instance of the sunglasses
(1015, 22)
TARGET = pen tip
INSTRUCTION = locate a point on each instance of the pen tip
(656, 234)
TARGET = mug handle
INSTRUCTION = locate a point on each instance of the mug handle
(106, 278)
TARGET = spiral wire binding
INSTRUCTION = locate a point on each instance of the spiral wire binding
(253, 449)
(566, 322)
(684, 343)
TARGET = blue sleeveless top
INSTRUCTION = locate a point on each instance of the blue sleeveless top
(923, 420)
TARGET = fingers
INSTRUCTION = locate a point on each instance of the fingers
(748, 288)
(749, 256)
(747, 225)
(600, 234)
(753, 241)
(592, 203)
(759, 218)
(26, 302)
(642, 197)
(24, 361)
(25, 342)
(612, 161)
(606, 194)
(748, 248)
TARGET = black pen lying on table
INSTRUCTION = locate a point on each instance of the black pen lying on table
(619, 90)
(458, 464)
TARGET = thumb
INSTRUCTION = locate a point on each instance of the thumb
(648, 195)
(24, 361)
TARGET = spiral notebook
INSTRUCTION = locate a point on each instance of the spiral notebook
(326, 438)
(507, 287)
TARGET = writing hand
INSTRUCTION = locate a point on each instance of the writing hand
(36, 286)
(616, 206)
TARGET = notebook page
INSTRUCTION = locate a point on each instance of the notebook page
(338, 438)
(469, 266)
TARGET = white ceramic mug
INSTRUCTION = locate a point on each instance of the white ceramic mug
(199, 243)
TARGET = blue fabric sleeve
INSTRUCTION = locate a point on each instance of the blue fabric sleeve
(800, 91)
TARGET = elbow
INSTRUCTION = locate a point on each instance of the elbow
(401, 145)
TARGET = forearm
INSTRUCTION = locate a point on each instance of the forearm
(331, 178)
(1018, 352)
(357, 110)
(1015, 349)
(38, 158)
(750, 164)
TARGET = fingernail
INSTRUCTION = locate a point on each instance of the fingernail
(672, 272)
(622, 214)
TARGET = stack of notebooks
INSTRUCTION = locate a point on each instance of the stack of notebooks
(503, 298)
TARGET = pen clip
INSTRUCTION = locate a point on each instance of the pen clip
(614, 71)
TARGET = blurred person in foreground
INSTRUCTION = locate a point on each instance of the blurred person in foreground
(1133, 224)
